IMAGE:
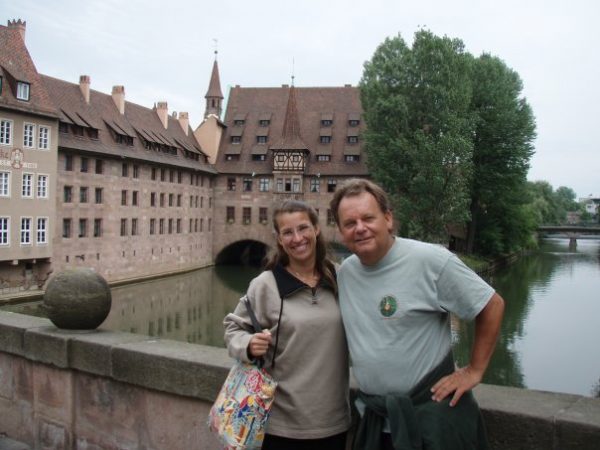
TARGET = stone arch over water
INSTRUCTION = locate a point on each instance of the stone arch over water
(246, 252)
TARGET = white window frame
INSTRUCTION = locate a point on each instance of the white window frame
(264, 185)
(4, 231)
(26, 232)
(22, 91)
(6, 127)
(28, 135)
(43, 137)
(4, 184)
(42, 230)
(42, 186)
(27, 187)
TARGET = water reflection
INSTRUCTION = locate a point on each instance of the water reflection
(549, 333)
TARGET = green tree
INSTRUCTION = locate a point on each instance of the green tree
(419, 127)
(503, 146)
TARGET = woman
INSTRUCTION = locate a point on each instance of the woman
(302, 332)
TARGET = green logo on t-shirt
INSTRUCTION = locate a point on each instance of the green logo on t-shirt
(388, 306)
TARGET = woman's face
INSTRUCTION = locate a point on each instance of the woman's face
(297, 236)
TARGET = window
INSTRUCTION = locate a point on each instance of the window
(125, 170)
(99, 166)
(279, 184)
(42, 230)
(4, 184)
(239, 122)
(209, 224)
(25, 230)
(136, 171)
(68, 163)
(323, 158)
(63, 127)
(153, 174)
(236, 139)
(28, 135)
(170, 199)
(263, 185)
(123, 197)
(331, 185)
(314, 185)
(92, 133)
(134, 227)
(162, 199)
(5, 132)
(170, 226)
(123, 227)
(97, 227)
(83, 194)
(152, 198)
(326, 122)
(195, 225)
(178, 226)
(179, 177)
(43, 138)
(98, 195)
(330, 218)
(42, 186)
(351, 158)
(66, 228)
(134, 198)
(261, 139)
(84, 164)
(179, 196)
(263, 215)
(232, 157)
(161, 226)
(352, 139)
(152, 226)
(259, 157)
(246, 215)
(22, 91)
(247, 185)
(324, 139)
(163, 174)
(353, 122)
(190, 227)
(68, 194)
(230, 214)
(296, 185)
(231, 184)
(27, 188)
(82, 228)
(4, 230)
(171, 175)
(264, 122)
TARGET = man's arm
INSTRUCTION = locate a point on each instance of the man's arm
(487, 329)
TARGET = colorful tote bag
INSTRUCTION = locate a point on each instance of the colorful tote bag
(240, 412)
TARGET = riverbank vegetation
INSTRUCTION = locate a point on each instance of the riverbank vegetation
(450, 137)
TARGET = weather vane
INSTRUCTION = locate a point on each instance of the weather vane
(216, 45)
(293, 70)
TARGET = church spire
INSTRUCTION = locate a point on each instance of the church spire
(214, 96)
(290, 137)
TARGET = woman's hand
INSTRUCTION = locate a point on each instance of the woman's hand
(259, 344)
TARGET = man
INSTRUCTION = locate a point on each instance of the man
(395, 296)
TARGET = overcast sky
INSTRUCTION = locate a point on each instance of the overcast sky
(163, 51)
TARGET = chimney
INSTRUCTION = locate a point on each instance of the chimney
(184, 121)
(84, 85)
(118, 95)
(163, 113)
(20, 25)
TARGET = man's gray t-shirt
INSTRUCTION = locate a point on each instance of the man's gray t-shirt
(396, 312)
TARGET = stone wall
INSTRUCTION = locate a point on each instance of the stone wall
(113, 390)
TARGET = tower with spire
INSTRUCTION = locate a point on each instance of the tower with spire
(214, 95)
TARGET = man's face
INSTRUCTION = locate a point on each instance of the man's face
(365, 229)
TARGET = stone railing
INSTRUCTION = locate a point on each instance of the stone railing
(107, 390)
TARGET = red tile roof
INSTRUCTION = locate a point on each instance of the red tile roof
(255, 104)
(16, 65)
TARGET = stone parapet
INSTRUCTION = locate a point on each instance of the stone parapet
(104, 389)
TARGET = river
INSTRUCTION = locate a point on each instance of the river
(550, 333)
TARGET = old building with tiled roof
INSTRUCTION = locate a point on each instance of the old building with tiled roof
(28, 154)
(134, 187)
(279, 143)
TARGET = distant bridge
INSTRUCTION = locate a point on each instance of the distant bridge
(572, 232)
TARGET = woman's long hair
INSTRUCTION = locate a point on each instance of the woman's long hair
(323, 263)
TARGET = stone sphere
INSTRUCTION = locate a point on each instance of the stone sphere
(77, 299)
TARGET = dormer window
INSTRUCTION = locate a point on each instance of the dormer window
(353, 119)
(326, 120)
(324, 139)
(236, 139)
(261, 139)
(264, 123)
(353, 123)
(238, 122)
(352, 139)
(22, 91)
